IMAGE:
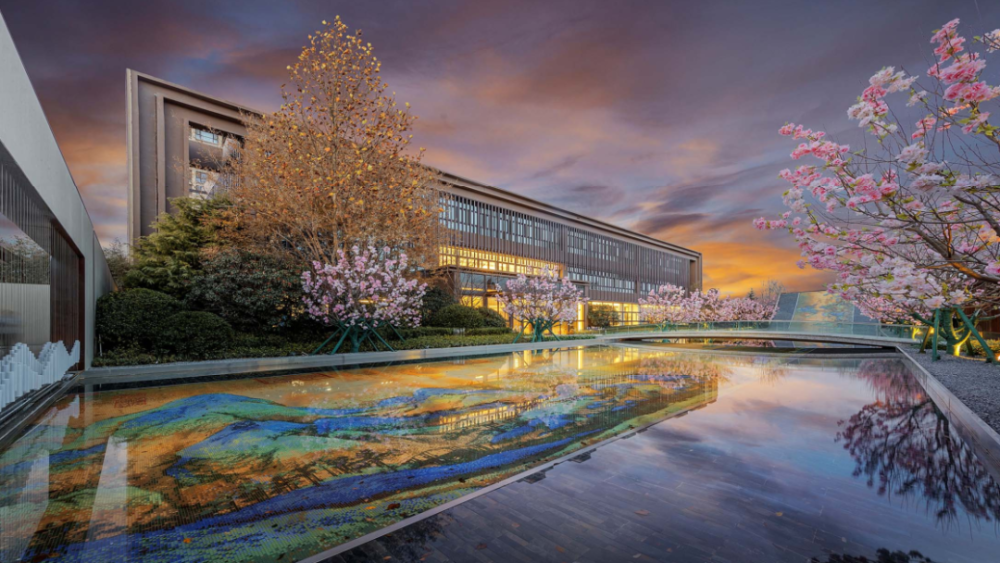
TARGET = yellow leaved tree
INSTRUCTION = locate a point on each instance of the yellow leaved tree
(333, 167)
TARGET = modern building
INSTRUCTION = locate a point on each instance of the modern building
(175, 134)
(52, 268)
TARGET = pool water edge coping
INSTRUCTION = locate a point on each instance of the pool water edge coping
(180, 370)
(24, 413)
(328, 555)
(984, 440)
(749, 334)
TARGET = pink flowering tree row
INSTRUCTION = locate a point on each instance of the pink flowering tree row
(909, 224)
(669, 305)
(540, 302)
(363, 291)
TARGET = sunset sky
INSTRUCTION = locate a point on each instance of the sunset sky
(658, 116)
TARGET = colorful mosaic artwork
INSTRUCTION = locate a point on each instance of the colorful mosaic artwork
(280, 468)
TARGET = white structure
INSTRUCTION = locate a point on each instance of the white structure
(48, 288)
(21, 372)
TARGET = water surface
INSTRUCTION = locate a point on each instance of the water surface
(279, 468)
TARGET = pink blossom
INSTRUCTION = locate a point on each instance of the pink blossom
(365, 289)
(917, 97)
(546, 298)
(965, 70)
(913, 154)
(974, 123)
(924, 126)
(946, 32)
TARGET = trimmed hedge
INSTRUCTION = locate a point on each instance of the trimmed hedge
(133, 318)
(492, 319)
(488, 330)
(253, 346)
(457, 316)
(466, 340)
(417, 332)
(195, 334)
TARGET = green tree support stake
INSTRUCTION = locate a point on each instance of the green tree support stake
(991, 357)
(937, 323)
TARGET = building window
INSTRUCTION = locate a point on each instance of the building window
(494, 262)
(206, 136)
(202, 183)
(628, 313)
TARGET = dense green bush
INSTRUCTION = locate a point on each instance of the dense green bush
(602, 316)
(488, 330)
(254, 293)
(466, 340)
(492, 319)
(435, 299)
(195, 334)
(169, 258)
(133, 318)
(415, 332)
(457, 316)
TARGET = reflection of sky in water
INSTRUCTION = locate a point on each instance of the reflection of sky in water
(763, 451)
(254, 469)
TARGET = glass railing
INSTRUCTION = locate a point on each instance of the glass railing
(898, 331)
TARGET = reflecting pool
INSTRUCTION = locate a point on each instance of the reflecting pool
(280, 468)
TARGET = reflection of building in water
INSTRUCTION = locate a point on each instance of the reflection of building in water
(609, 393)
(487, 415)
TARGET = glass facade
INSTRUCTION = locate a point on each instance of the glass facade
(488, 238)
(41, 272)
(494, 262)
(628, 313)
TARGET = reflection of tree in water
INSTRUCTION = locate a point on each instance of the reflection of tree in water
(752, 343)
(882, 556)
(768, 369)
(687, 366)
(890, 379)
(905, 443)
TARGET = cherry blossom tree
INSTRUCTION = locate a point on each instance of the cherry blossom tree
(540, 301)
(745, 309)
(712, 307)
(910, 223)
(665, 305)
(669, 305)
(365, 290)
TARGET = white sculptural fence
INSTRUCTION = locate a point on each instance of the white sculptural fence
(21, 372)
